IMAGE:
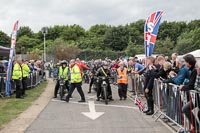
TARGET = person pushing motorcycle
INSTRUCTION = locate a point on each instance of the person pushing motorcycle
(104, 71)
(63, 70)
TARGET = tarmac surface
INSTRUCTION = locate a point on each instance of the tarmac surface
(94, 116)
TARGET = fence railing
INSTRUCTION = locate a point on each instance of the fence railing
(33, 80)
(169, 102)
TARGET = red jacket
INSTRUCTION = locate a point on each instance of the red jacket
(81, 65)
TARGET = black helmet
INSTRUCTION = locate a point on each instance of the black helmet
(64, 62)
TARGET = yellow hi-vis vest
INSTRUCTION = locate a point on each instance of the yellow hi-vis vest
(124, 76)
(64, 73)
(51, 65)
(75, 74)
(17, 72)
(25, 70)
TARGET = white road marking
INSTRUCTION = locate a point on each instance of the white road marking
(103, 105)
(92, 114)
(90, 97)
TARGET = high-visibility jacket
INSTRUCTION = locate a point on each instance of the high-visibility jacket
(51, 65)
(75, 74)
(64, 73)
(123, 75)
(17, 72)
(25, 70)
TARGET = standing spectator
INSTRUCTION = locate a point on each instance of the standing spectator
(131, 76)
(122, 75)
(113, 71)
(76, 81)
(148, 85)
(1, 68)
(167, 66)
(187, 109)
(17, 77)
(50, 68)
(161, 73)
(137, 67)
(179, 79)
(174, 60)
(25, 73)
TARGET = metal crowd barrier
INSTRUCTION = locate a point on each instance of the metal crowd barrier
(170, 101)
(33, 80)
(136, 84)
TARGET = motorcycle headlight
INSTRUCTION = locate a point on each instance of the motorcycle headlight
(62, 77)
(103, 78)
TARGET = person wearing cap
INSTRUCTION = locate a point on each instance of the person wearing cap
(25, 72)
(104, 71)
(122, 80)
(17, 77)
(63, 70)
(180, 77)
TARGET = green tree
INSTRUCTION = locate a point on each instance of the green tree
(188, 41)
(164, 47)
(73, 32)
(130, 50)
(24, 31)
(26, 43)
(117, 38)
(4, 40)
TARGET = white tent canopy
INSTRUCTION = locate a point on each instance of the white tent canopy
(195, 53)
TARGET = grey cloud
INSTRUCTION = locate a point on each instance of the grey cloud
(39, 13)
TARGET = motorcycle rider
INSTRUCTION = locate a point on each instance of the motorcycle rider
(63, 70)
(92, 73)
(104, 71)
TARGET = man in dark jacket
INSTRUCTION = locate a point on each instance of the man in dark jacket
(187, 109)
(104, 72)
(148, 86)
(161, 73)
(92, 74)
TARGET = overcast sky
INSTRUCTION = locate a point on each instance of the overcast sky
(40, 13)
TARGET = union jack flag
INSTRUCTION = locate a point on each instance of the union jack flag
(139, 103)
(11, 55)
(150, 31)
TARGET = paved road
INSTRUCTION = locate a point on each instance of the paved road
(119, 117)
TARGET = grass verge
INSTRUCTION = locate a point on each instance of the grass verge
(10, 108)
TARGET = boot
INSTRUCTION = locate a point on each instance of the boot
(151, 109)
(98, 99)
(150, 112)
(82, 101)
(145, 111)
(89, 90)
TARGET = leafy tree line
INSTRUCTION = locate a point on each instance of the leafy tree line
(101, 39)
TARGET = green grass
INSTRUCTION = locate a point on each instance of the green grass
(10, 108)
